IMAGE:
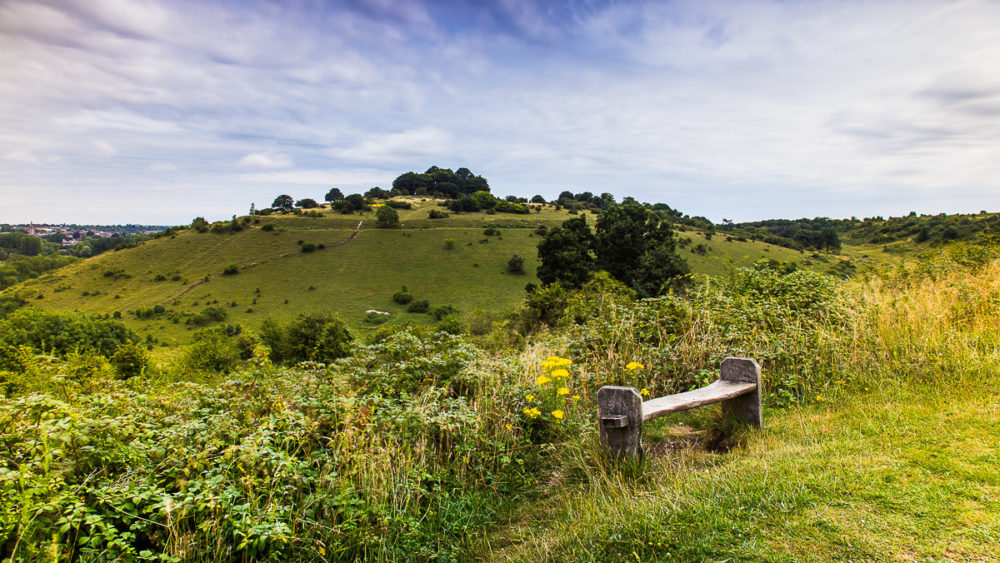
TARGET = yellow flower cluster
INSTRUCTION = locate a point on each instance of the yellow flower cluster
(543, 379)
(558, 414)
(555, 362)
(632, 366)
(532, 412)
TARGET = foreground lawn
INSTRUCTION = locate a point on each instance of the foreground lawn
(895, 474)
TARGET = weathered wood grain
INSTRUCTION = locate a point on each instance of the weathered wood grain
(714, 393)
(745, 407)
(620, 420)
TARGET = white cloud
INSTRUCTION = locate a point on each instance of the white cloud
(22, 156)
(163, 167)
(261, 160)
(104, 148)
(425, 142)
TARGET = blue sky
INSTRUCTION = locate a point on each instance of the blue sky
(156, 112)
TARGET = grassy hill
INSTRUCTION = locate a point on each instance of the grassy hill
(183, 272)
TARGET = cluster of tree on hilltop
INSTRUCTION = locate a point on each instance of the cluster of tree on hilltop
(440, 182)
(588, 201)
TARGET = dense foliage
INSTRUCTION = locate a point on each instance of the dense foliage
(630, 242)
(440, 182)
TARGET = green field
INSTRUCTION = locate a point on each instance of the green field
(277, 280)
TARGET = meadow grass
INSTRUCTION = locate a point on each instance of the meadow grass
(878, 444)
(348, 279)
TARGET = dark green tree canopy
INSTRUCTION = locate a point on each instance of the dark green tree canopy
(387, 217)
(441, 182)
(637, 248)
(333, 195)
(306, 203)
(283, 202)
(566, 254)
(633, 244)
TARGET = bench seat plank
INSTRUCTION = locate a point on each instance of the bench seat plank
(714, 393)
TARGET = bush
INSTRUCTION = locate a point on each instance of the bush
(60, 333)
(449, 243)
(308, 247)
(267, 227)
(443, 311)
(452, 324)
(374, 318)
(130, 360)
(492, 232)
(515, 265)
(231, 270)
(402, 296)
(419, 307)
(437, 214)
(320, 337)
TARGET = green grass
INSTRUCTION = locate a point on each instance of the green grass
(348, 279)
(900, 473)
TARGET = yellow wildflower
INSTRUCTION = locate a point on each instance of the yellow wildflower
(543, 379)
(576, 397)
(644, 392)
(563, 391)
(560, 373)
(529, 397)
(555, 361)
(632, 366)
(508, 427)
(557, 414)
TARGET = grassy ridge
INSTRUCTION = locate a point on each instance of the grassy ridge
(349, 279)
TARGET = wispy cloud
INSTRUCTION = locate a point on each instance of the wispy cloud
(721, 108)
(260, 160)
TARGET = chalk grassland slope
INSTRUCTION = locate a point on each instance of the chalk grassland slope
(349, 279)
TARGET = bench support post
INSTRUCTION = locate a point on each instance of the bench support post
(620, 418)
(745, 407)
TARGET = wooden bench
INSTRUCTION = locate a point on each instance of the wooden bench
(621, 410)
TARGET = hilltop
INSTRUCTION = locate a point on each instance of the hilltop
(167, 287)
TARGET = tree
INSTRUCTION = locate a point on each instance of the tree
(306, 203)
(283, 203)
(565, 254)
(637, 248)
(538, 199)
(333, 195)
(386, 217)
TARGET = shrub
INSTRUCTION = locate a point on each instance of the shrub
(308, 247)
(402, 296)
(443, 311)
(491, 232)
(319, 337)
(374, 318)
(449, 243)
(267, 227)
(130, 360)
(452, 324)
(231, 270)
(419, 307)
(515, 265)
(437, 214)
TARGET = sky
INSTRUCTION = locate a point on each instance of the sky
(155, 112)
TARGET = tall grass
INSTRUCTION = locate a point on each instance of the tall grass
(424, 446)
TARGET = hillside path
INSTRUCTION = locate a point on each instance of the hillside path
(191, 287)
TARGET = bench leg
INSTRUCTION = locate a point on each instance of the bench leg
(745, 407)
(620, 418)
